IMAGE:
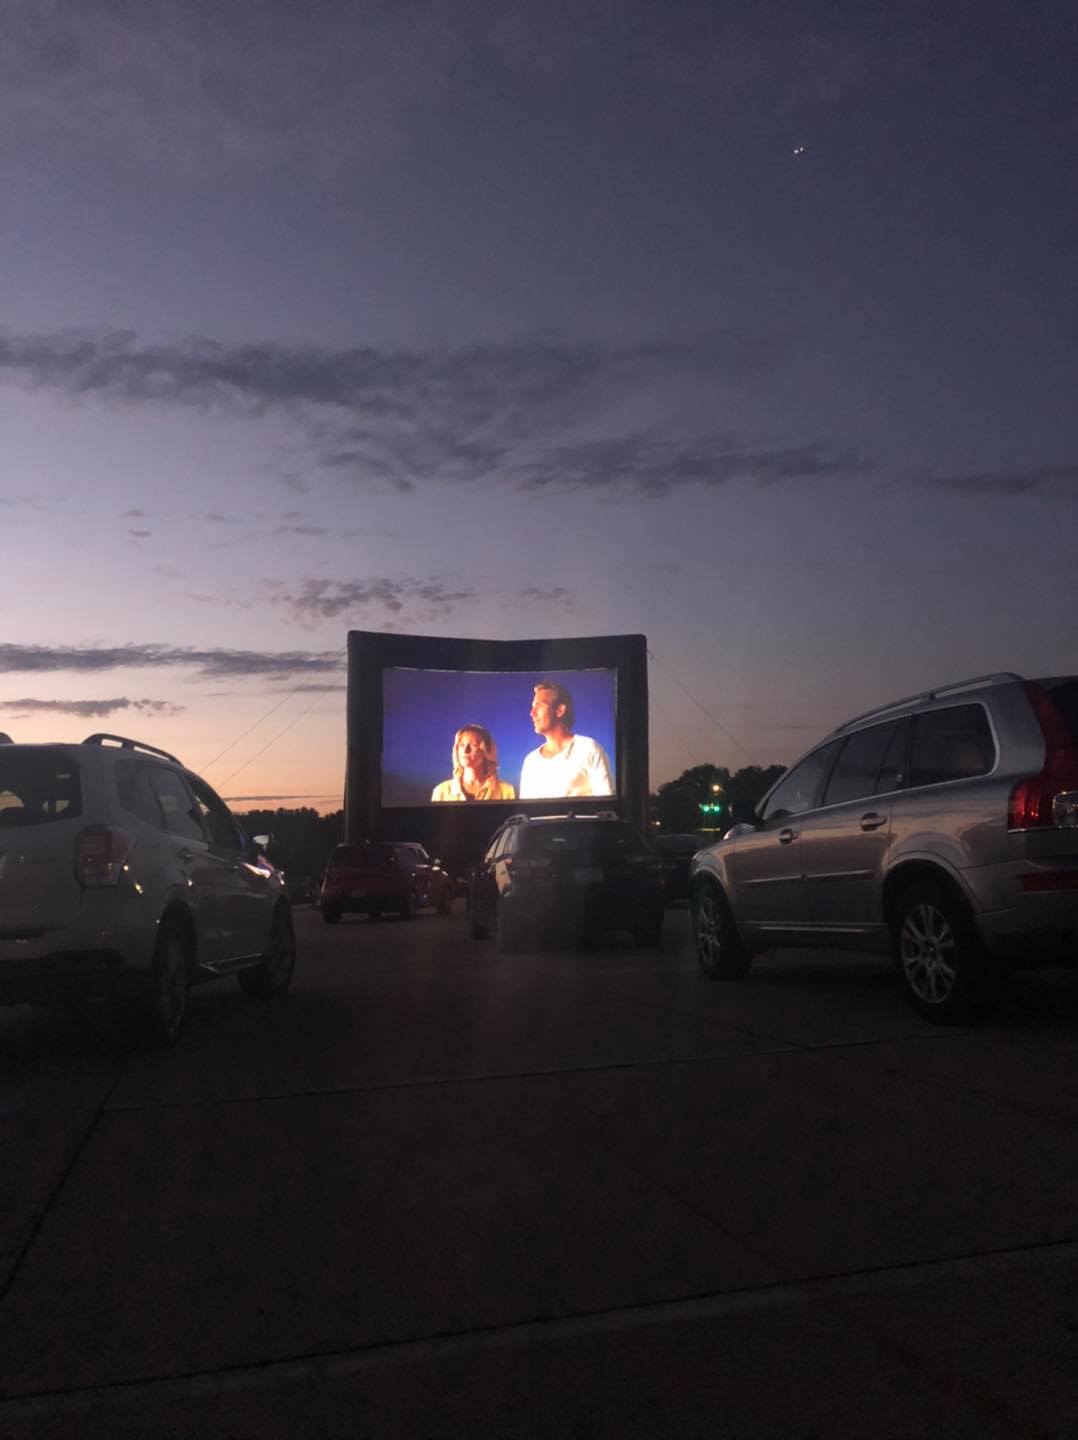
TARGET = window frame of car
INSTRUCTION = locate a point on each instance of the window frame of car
(900, 726)
(131, 766)
(768, 818)
(155, 768)
(215, 811)
(921, 714)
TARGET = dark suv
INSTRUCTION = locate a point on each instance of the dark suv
(575, 875)
(124, 876)
(367, 877)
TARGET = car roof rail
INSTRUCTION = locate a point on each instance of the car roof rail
(101, 737)
(516, 819)
(976, 682)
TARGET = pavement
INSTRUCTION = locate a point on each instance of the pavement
(435, 1192)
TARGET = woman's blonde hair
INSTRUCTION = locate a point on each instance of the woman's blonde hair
(489, 788)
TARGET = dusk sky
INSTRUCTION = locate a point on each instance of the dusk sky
(751, 326)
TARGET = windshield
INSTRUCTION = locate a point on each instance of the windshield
(37, 785)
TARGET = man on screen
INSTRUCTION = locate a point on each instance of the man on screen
(566, 764)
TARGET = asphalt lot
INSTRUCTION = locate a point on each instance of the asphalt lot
(434, 1192)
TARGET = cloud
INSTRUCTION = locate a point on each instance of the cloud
(521, 414)
(326, 599)
(654, 466)
(210, 664)
(557, 596)
(1056, 481)
(91, 708)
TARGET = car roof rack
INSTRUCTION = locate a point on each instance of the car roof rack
(1000, 677)
(101, 737)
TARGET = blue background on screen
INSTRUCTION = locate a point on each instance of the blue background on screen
(423, 710)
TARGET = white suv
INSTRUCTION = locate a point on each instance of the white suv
(123, 876)
(943, 826)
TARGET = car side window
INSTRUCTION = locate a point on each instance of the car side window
(214, 814)
(951, 744)
(800, 789)
(177, 803)
(857, 768)
(136, 794)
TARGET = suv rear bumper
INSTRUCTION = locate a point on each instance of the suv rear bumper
(1041, 929)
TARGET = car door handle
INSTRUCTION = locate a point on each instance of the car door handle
(786, 837)
(183, 855)
(872, 821)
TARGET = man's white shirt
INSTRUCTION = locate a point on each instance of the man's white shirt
(580, 768)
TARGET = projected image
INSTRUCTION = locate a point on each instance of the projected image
(473, 737)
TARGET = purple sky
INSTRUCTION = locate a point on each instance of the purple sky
(752, 327)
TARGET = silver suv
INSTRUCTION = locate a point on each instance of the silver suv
(943, 827)
(123, 876)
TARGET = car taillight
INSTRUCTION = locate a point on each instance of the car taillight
(1050, 798)
(100, 855)
(522, 865)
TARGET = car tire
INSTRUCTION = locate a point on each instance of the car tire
(163, 1011)
(331, 916)
(274, 975)
(409, 908)
(949, 976)
(720, 951)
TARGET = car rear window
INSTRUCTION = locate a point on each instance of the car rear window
(368, 853)
(1064, 693)
(37, 785)
(603, 841)
(951, 744)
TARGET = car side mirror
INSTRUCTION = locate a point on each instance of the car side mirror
(261, 840)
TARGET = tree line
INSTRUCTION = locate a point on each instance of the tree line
(303, 840)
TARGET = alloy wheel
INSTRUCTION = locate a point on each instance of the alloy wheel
(928, 949)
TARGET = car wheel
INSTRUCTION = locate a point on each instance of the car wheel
(274, 975)
(950, 977)
(720, 951)
(164, 1009)
(409, 909)
(331, 916)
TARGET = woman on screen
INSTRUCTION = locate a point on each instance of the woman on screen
(475, 769)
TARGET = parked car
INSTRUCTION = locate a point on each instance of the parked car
(575, 875)
(369, 877)
(943, 827)
(675, 853)
(124, 877)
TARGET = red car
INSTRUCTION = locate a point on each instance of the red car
(369, 877)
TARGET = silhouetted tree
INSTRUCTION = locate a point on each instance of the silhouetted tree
(301, 841)
(677, 804)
